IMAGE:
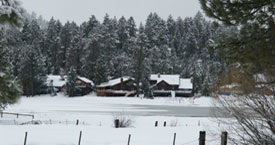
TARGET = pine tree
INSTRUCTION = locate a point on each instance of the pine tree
(92, 49)
(32, 62)
(157, 33)
(10, 89)
(89, 26)
(131, 27)
(140, 68)
(71, 89)
(75, 53)
(11, 12)
(14, 43)
(171, 27)
(250, 54)
(53, 46)
(109, 44)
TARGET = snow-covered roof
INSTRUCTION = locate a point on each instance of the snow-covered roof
(173, 80)
(170, 79)
(114, 81)
(86, 80)
(57, 80)
(186, 84)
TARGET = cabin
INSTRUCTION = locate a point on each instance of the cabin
(56, 81)
(171, 85)
(84, 85)
(124, 86)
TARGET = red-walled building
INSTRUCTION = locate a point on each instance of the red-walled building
(171, 85)
(124, 86)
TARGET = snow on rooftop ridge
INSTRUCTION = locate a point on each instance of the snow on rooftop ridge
(114, 81)
(86, 80)
(186, 84)
(57, 80)
(170, 79)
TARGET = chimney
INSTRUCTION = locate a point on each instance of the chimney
(158, 75)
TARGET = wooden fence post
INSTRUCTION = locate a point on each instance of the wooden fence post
(129, 139)
(77, 121)
(17, 115)
(164, 124)
(25, 140)
(32, 116)
(202, 138)
(174, 141)
(80, 135)
(117, 123)
(224, 138)
(156, 124)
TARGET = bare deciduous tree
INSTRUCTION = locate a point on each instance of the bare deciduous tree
(251, 104)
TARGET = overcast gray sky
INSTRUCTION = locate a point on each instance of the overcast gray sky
(80, 10)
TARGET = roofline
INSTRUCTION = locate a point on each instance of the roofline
(99, 86)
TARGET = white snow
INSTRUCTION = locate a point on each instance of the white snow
(58, 116)
(186, 84)
(170, 79)
(86, 80)
(114, 81)
(2, 74)
(57, 80)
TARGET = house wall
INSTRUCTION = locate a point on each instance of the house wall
(165, 86)
(157, 90)
(126, 86)
(108, 91)
(84, 87)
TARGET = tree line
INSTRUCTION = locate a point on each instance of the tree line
(116, 47)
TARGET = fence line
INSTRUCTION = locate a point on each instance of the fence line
(199, 140)
(81, 122)
(17, 114)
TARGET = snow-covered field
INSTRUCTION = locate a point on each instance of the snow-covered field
(57, 122)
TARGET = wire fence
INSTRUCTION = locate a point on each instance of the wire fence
(198, 141)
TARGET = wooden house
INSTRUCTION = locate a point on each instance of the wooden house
(84, 85)
(124, 86)
(171, 85)
(56, 81)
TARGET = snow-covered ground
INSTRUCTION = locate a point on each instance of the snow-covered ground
(57, 122)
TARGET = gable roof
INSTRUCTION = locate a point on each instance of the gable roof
(115, 81)
(186, 84)
(57, 80)
(86, 80)
(170, 79)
